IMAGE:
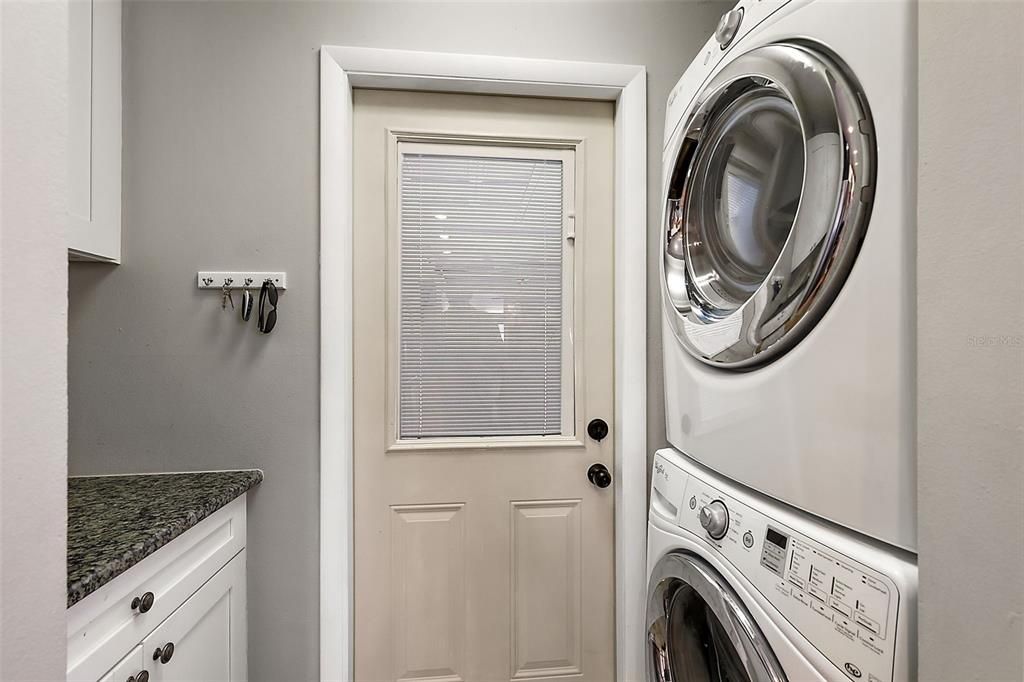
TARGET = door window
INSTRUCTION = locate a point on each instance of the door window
(485, 292)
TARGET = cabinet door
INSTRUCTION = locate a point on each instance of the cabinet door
(207, 633)
(128, 669)
(94, 130)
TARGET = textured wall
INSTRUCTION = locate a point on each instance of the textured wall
(33, 317)
(971, 341)
(221, 171)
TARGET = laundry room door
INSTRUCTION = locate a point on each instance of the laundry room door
(482, 322)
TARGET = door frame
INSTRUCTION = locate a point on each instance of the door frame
(345, 68)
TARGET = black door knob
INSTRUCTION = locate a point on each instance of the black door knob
(143, 603)
(597, 429)
(164, 653)
(599, 475)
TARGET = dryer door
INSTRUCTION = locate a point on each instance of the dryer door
(699, 631)
(768, 200)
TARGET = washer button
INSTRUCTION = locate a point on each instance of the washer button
(748, 539)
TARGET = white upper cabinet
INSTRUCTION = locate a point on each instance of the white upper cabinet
(94, 144)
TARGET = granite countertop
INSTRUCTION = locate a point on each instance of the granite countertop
(114, 522)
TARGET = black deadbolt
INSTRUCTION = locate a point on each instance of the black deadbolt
(597, 429)
(599, 475)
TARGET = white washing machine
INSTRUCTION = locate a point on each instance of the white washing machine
(788, 258)
(744, 588)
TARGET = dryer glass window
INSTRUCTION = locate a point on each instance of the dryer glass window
(748, 178)
(700, 649)
(771, 186)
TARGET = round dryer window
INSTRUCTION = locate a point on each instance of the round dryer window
(699, 631)
(768, 201)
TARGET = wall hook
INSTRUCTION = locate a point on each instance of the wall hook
(238, 280)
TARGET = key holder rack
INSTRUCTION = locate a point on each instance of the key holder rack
(239, 280)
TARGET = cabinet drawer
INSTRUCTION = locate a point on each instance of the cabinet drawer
(205, 639)
(103, 626)
(130, 667)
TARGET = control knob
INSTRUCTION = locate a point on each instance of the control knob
(728, 27)
(714, 518)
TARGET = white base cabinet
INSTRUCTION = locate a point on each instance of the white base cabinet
(195, 629)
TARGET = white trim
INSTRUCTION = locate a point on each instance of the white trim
(341, 69)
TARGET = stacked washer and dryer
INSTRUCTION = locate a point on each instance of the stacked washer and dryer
(782, 526)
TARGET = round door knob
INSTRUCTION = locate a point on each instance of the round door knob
(143, 603)
(597, 429)
(141, 677)
(164, 653)
(728, 26)
(714, 518)
(599, 475)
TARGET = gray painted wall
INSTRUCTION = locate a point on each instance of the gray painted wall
(221, 171)
(971, 341)
(33, 318)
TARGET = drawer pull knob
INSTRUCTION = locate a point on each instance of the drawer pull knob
(143, 603)
(164, 653)
(141, 677)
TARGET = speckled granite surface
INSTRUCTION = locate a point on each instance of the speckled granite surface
(114, 522)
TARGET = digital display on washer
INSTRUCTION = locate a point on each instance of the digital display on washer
(776, 538)
(773, 551)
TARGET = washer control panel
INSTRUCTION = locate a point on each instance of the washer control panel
(844, 608)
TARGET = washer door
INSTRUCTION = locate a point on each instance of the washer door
(767, 205)
(699, 631)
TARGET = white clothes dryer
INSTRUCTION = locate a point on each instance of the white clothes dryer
(742, 588)
(788, 258)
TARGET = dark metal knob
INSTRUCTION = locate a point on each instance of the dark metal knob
(141, 677)
(597, 429)
(164, 653)
(143, 603)
(599, 475)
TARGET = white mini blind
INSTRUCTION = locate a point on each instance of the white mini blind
(480, 296)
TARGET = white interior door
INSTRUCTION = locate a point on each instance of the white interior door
(483, 349)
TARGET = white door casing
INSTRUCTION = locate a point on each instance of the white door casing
(343, 68)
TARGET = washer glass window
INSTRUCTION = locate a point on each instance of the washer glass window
(699, 631)
(698, 646)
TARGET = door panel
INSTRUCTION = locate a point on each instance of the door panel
(428, 576)
(546, 583)
(477, 532)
